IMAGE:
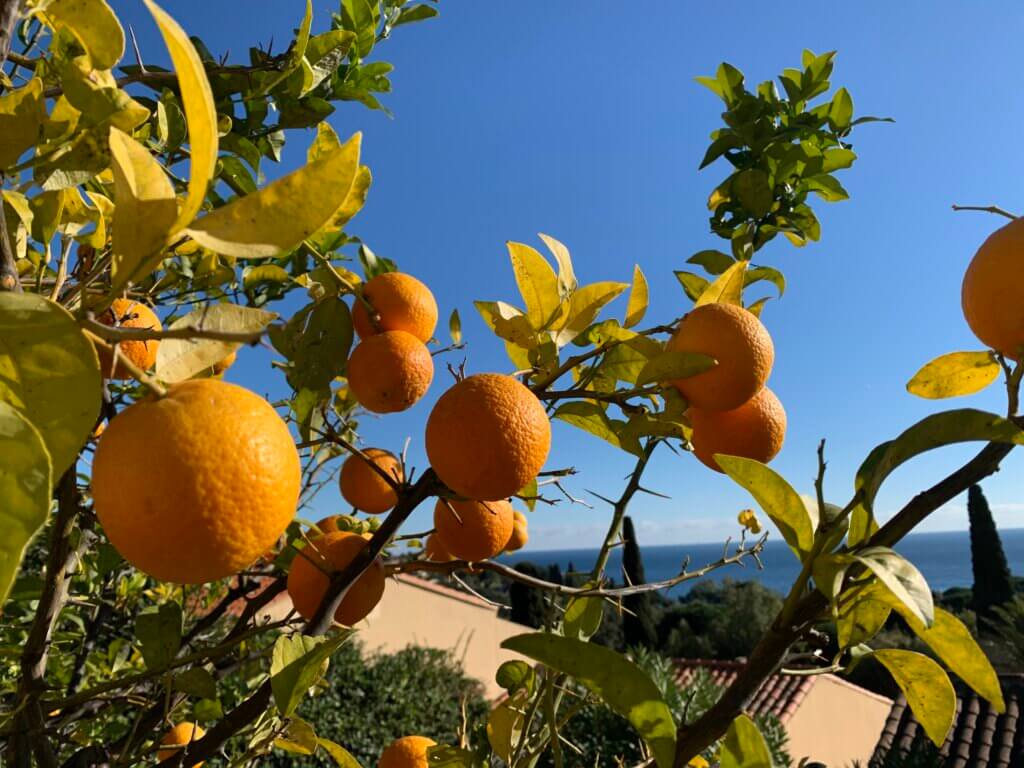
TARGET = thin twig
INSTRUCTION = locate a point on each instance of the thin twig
(985, 209)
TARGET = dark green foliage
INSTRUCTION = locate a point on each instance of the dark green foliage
(368, 702)
(993, 584)
(527, 605)
(1009, 626)
(637, 622)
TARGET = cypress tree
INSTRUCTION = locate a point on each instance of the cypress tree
(638, 626)
(993, 585)
(526, 604)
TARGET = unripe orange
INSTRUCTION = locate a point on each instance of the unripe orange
(406, 752)
(390, 371)
(473, 530)
(741, 345)
(401, 302)
(487, 437)
(517, 540)
(993, 291)
(308, 582)
(363, 487)
(128, 313)
(179, 737)
(755, 430)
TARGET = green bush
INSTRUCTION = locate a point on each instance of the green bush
(368, 701)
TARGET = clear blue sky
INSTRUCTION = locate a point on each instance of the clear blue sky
(582, 120)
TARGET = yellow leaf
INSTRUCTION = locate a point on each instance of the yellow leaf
(927, 687)
(958, 373)
(94, 24)
(537, 284)
(638, 298)
(566, 275)
(104, 215)
(508, 323)
(585, 305)
(285, 212)
(146, 209)
(504, 727)
(21, 121)
(727, 288)
(326, 141)
(200, 114)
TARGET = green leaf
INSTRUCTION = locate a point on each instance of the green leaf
(326, 52)
(566, 275)
(341, 756)
(25, 484)
(50, 373)
(583, 617)
(21, 121)
(264, 274)
(95, 26)
(840, 112)
(954, 644)
(955, 374)
(196, 682)
(834, 159)
(322, 340)
(928, 690)
(901, 578)
(625, 687)
(935, 431)
(299, 738)
(727, 288)
(357, 16)
(200, 113)
(772, 275)
(158, 631)
(298, 662)
(146, 209)
(591, 417)
(671, 366)
(753, 189)
(777, 498)
(455, 327)
(413, 13)
(693, 285)
(715, 262)
(744, 746)
(444, 756)
(285, 212)
(208, 710)
(639, 296)
(584, 306)
(504, 728)
(537, 283)
(180, 359)
(860, 619)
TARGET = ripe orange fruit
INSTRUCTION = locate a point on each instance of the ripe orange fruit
(517, 540)
(390, 371)
(741, 345)
(178, 738)
(435, 551)
(755, 430)
(476, 530)
(195, 486)
(401, 302)
(993, 291)
(363, 487)
(488, 436)
(308, 582)
(224, 364)
(128, 313)
(406, 752)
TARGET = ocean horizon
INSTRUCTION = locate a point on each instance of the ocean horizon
(944, 558)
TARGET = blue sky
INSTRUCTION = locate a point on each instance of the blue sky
(582, 120)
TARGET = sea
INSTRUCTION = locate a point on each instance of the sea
(943, 558)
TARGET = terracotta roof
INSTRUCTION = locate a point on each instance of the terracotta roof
(779, 695)
(979, 738)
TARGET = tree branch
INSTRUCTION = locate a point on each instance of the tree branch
(121, 333)
(10, 11)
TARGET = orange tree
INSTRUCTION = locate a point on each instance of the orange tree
(139, 255)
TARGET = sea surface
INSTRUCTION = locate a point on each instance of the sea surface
(943, 558)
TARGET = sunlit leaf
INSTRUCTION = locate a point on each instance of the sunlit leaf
(146, 209)
(590, 417)
(727, 287)
(670, 366)
(860, 619)
(298, 661)
(180, 359)
(341, 756)
(21, 120)
(505, 727)
(508, 323)
(200, 113)
(298, 738)
(95, 26)
(693, 285)
(777, 498)
(516, 675)
(625, 687)
(49, 371)
(25, 484)
(928, 690)
(636, 308)
(583, 617)
(955, 374)
(455, 327)
(901, 578)
(715, 262)
(744, 746)
(566, 275)
(585, 305)
(537, 283)
(358, 16)
(285, 212)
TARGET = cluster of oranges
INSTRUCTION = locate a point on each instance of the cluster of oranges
(730, 409)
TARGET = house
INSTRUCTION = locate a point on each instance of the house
(979, 738)
(809, 709)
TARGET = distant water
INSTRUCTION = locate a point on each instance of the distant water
(943, 558)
